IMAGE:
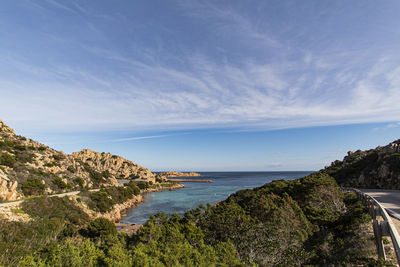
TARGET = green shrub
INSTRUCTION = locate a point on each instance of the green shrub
(60, 208)
(20, 147)
(95, 176)
(7, 145)
(143, 185)
(33, 186)
(18, 239)
(58, 157)
(119, 194)
(68, 253)
(25, 156)
(41, 148)
(7, 160)
(135, 189)
(61, 184)
(106, 174)
(51, 164)
(79, 181)
(101, 227)
(71, 169)
(100, 201)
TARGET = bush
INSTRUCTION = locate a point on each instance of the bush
(100, 201)
(19, 239)
(60, 208)
(95, 176)
(106, 174)
(51, 164)
(143, 185)
(24, 156)
(7, 160)
(33, 186)
(101, 227)
(135, 189)
(119, 194)
(71, 169)
(61, 184)
(58, 157)
(79, 181)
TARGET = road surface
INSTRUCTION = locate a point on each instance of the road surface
(389, 199)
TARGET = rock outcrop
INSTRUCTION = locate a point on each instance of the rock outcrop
(8, 189)
(374, 168)
(116, 166)
(5, 129)
(117, 211)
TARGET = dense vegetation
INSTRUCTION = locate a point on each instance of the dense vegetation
(305, 221)
(283, 223)
(106, 198)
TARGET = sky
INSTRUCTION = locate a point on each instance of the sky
(203, 85)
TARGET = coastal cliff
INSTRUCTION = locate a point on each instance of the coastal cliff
(29, 168)
(374, 168)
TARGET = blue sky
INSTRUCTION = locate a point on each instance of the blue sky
(203, 85)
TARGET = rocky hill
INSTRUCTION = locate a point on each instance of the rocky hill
(374, 168)
(28, 168)
(116, 166)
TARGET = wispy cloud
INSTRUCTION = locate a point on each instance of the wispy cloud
(113, 88)
(388, 126)
(138, 138)
(213, 95)
(227, 20)
(135, 138)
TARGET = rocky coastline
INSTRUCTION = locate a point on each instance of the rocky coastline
(119, 210)
(165, 175)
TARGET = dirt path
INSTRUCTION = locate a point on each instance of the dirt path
(16, 203)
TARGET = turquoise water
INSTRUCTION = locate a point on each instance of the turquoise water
(195, 194)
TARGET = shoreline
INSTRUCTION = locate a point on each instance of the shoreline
(132, 228)
(142, 198)
(190, 180)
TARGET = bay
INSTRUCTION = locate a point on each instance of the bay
(195, 194)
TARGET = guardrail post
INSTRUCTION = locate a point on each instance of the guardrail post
(384, 228)
(378, 238)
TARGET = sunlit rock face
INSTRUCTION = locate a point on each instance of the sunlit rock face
(117, 166)
(8, 189)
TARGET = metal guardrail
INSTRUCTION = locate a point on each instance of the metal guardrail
(381, 228)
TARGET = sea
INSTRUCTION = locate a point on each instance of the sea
(194, 193)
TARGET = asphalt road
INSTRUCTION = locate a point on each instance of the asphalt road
(390, 199)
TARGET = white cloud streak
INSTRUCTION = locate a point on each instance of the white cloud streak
(138, 138)
(311, 90)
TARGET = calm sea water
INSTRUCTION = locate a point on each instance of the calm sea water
(195, 194)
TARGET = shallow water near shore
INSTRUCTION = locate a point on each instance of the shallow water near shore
(195, 194)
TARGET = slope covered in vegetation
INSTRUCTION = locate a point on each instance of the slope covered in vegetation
(283, 223)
